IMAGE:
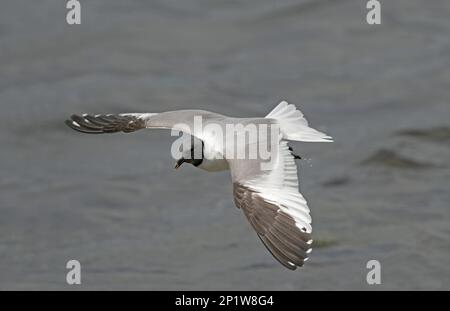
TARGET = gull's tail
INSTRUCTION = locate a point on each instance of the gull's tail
(294, 126)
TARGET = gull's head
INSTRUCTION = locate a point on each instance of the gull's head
(193, 154)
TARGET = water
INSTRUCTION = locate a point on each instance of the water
(114, 202)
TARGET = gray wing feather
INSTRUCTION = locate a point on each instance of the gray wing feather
(276, 229)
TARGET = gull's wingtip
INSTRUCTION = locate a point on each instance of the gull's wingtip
(79, 124)
(72, 124)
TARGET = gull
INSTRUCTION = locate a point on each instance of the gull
(269, 198)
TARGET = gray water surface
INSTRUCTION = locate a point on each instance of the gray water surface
(114, 202)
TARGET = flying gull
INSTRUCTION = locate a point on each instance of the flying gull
(269, 198)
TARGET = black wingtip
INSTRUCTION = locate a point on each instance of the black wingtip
(108, 123)
(71, 124)
(75, 124)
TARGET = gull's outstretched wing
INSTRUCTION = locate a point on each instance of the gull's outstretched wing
(182, 120)
(274, 207)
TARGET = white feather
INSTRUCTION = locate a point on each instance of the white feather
(294, 126)
(280, 187)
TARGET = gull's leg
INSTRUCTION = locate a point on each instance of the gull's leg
(295, 155)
